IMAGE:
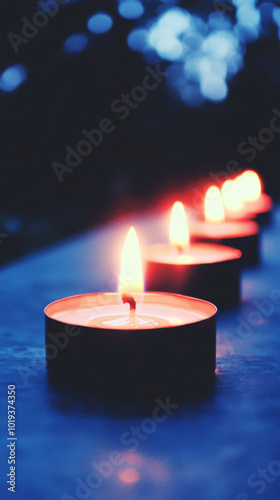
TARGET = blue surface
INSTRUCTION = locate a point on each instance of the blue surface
(204, 451)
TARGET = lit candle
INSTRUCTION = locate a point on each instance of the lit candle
(244, 198)
(257, 204)
(243, 234)
(202, 269)
(233, 200)
(131, 342)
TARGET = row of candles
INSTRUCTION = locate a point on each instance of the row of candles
(164, 339)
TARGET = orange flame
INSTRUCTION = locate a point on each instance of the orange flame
(214, 209)
(178, 228)
(131, 274)
(232, 195)
(250, 185)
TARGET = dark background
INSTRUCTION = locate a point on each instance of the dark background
(161, 148)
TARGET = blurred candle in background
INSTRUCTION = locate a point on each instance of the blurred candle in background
(244, 198)
(243, 234)
(197, 269)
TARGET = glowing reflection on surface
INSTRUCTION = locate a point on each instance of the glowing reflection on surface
(129, 475)
(133, 458)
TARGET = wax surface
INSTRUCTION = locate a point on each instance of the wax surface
(153, 310)
(197, 253)
(140, 322)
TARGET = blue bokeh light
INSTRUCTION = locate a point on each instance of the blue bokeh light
(248, 16)
(240, 3)
(75, 44)
(169, 48)
(13, 77)
(100, 23)
(131, 9)
(175, 20)
(164, 35)
(217, 21)
(214, 88)
(208, 67)
(221, 44)
(276, 16)
(138, 39)
(248, 23)
(207, 52)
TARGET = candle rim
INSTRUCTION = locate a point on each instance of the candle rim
(186, 298)
(248, 227)
(266, 205)
(236, 254)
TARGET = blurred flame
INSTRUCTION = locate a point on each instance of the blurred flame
(250, 186)
(214, 209)
(178, 228)
(131, 274)
(232, 195)
(129, 475)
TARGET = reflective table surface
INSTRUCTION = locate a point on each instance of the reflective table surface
(223, 445)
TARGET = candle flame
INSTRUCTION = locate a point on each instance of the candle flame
(250, 185)
(178, 228)
(131, 274)
(232, 195)
(214, 209)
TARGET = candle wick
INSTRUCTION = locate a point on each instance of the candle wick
(132, 316)
(128, 299)
(180, 249)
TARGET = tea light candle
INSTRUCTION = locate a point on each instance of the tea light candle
(204, 270)
(244, 198)
(243, 235)
(131, 343)
(257, 204)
